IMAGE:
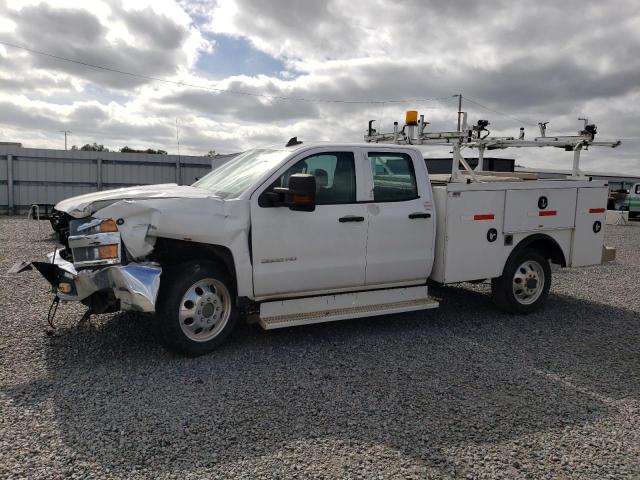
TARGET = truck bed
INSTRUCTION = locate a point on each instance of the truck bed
(479, 224)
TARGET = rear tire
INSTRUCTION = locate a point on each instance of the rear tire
(524, 284)
(196, 307)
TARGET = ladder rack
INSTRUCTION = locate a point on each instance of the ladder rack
(414, 133)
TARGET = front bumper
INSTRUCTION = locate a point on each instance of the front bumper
(135, 285)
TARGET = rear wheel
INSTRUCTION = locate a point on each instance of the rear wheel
(525, 283)
(196, 307)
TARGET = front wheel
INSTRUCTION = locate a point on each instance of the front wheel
(524, 284)
(196, 307)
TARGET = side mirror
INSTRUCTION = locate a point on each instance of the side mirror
(301, 193)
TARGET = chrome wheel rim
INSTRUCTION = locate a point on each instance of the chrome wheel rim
(204, 310)
(528, 282)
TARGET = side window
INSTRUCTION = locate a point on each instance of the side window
(335, 174)
(638, 189)
(394, 179)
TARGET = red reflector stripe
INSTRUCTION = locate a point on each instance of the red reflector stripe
(486, 216)
(548, 213)
(596, 210)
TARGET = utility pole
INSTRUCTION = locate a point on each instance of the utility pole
(459, 95)
(66, 132)
(178, 136)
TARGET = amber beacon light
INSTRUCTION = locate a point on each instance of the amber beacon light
(411, 117)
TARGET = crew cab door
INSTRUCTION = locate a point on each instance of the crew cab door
(401, 236)
(295, 252)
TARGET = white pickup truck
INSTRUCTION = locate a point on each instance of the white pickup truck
(317, 232)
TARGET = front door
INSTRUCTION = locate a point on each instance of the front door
(296, 252)
(400, 244)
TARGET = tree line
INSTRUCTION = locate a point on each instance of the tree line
(95, 147)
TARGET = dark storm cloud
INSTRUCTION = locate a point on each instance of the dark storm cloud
(84, 120)
(242, 107)
(310, 24)
(88, 114)
(156, 29)
(17, 116)
(79, 35)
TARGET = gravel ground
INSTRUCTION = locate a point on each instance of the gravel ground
(458, 392)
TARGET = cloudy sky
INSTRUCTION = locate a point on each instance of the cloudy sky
(536, 61)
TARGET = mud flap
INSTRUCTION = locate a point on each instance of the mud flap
(20, 267)
(50, 271)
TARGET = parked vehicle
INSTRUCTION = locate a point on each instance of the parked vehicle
(309, 233)
(633, 201)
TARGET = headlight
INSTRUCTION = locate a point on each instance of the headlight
(94, 241)
(88, 226)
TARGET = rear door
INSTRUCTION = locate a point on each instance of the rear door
(302, 252)
(588, 235)
(400, 239)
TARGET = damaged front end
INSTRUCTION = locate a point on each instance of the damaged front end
(92, 268)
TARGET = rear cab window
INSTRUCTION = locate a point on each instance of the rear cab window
(394, 178)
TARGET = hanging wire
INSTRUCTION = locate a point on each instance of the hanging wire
(213, 89)
(499, 112)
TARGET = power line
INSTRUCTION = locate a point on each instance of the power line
(218, 90)
(499, 112)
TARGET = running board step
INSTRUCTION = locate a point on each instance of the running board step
(328, 308)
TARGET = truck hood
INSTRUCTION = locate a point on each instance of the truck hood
(84, 205)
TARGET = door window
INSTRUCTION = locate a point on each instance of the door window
(394, 179)
(335, 174)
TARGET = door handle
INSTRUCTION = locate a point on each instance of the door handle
(419, 215)
(351, 218)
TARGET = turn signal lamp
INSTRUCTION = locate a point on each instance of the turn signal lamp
(107, 251)
(303, 199)
(108, 226)
(411, 117)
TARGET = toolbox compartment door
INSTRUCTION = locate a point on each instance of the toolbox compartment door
(588, 236)
(474, 243)
(539, 209)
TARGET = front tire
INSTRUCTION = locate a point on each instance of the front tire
(524, 284)
(196, 307)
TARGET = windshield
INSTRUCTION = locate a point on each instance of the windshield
(239, 173)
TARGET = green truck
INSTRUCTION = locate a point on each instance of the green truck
(633, 201)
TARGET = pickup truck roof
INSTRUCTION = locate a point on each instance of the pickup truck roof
(308, 145)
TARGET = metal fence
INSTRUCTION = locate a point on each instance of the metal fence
(44, 177)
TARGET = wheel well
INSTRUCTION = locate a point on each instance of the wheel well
(546, 245)
(169, 251)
